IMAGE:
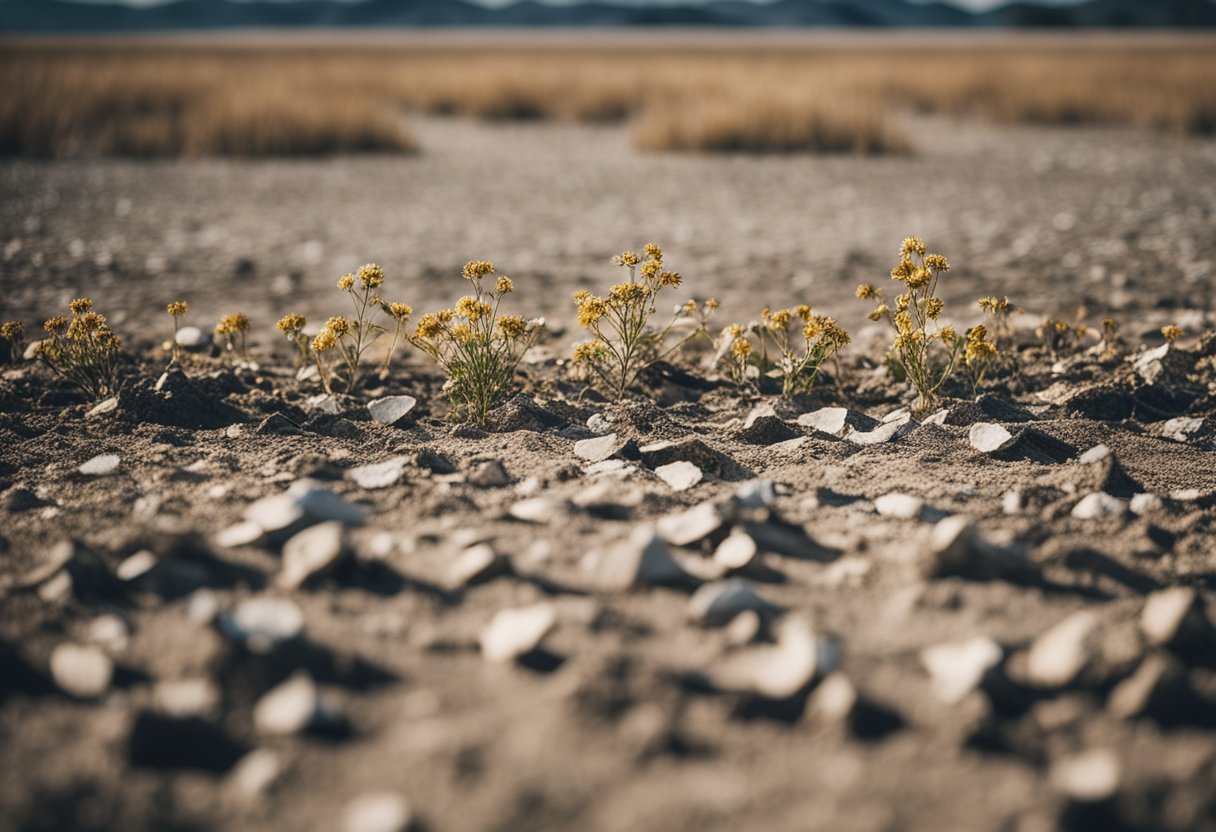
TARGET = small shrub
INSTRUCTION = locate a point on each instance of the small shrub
(12, 336)
(1171, 332)
(176, 310)
(1060, 337)
(778, 354)
(292, 326)
(624, 342)
(350, 337)
(925, 351)
(82, 349)
(234, 327)
(478, 349)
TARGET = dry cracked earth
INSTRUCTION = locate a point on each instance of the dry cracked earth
(227, 604)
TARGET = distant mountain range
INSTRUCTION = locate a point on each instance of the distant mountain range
(32, 16)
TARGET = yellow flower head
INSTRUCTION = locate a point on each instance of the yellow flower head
(1172, 332)
(338, 325)
(919, 278)
(291, 324)
(325, 340)
(346, 282)
(903, 322)
(711, 304)
(12, 331)
(912, 245)
(902, 301)
(477, 269)
(80, 306)
(177, 308)
(627, 258)
(400, 311)
(472, 309)
(803, 311)
(232, 323)
(504, 285)
(904, 270)
(741, 348)
(879, 311)
(463, 333)
(371, 276)
(867, 292)
(652, 251)
(581, 295)
(651, 268)
(590, 352)
(512, 326)
(55, 324)
(994, 304)
(780, 319)
(430, 325)
(734, 331)
(937, 263)
(948, 334)
(627, 293)
(591, 310)
(670, 279)
(933, 308)
(689, 307)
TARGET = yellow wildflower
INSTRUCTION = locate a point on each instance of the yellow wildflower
(177, 308)
(1172, 332)
(346, 282)
(371, 276)
(477, 269)
(504, 285)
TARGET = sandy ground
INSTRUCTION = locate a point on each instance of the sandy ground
(897, 676)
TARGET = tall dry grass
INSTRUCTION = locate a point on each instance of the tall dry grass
(148, 98)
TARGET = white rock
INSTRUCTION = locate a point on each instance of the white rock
(1088, 777)
(1059, 655)
(1182, 428)
(899, 506)
(474, 564)
(105, 406)
(1142, 504)
(1011, 502)
(957, 669)
(138, 564)
(312, 553)
(691, 525)
(323, 403)
(100, 465)
(680, 475)
(1099, 504)
(1171, 612)
(378, 474)
(378, 812)
(81, 671)
(756, 494)
(304, 503)
(184, 698)
(834, 699)
(614, 467)
(391, 409)
(512, 633)
(642, 558)
(1095, 454)
(937, 417)
(536, 509)
(239, 534)
(718, 603)
(256, 772)
(889, 431)
(1149, 364)
(289, 708)
(776, 671)
(987, 437)
(737, 551)
(262, 624)
(599, 424)
(832, 420)
(597, 449)
(192, 339)
(109, 631)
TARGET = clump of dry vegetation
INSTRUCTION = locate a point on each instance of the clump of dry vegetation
(152, 98)
(82, 349)
(794, 361)
(347, 338)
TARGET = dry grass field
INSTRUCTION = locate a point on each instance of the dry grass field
(288, 96)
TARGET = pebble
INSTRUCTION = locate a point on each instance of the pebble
(899, 506)
(489, 474)
(737, 551)
(323, 403)
(691, 525)
(834, 699)
(378, 474)
(536, 509)
(756, 494)
(476, 564)
(599, 424)
(312, 553)
(744, 628)
(830, 420)
(100, 465)
(243, 533)
(642, 558)
(305, 503)
(1182, 428)
(185, 698)
(378, 812)
(104, 406)
(290, 708)
(958, 668)
(957, 548)
(391, 409)
(262, 624)
(888, 431)
(513, 633)
(612, 467)
(256, 773)
(1175, 615)
(84, 672)
(192, 339)
(110, 631)
(717, 604)
(987, 437)
(1097, 505)
(1058, 656)
(1142, 504)
(599, 448)
(1150, 363)
(1160, 677)
(681, 476)
(780, 670)
(1088, 777)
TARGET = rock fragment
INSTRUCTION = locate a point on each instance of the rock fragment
(680, 476)
(312, 553)
(777, 671)
(295, 706)
(957, 548)
(1097, 505)
(957, 669)
(1088, 777)
(262, 624)
(1058, 656)
(600, 448)
(475, 565)
(489, 473)
(640, 559)
(378, 474)
(513, 633)
(305, 503)
(81, 671)
(1176, 618)
(895, 427)
(987, 437)
(100, 466)
(378, 812)
(899, 506)
(836, 421)
(391, 409)
(691, 525)
(718, 603)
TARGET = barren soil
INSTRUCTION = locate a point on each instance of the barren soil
(633, 708)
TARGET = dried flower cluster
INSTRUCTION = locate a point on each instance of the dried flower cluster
(82, 349)
(349, 338)
(12, 337)
(477, 348)
(777, 353)
(624, 343)
(234, 327)
(176, 310)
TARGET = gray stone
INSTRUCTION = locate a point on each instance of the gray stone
(312, 553)
(1182, 428)
(640, 559)
(681, 476)
(957, 548)
(262, 624)
(890, 430)
(305, 503)
(836, 421)
(84, 672)
(378, 474)
(959, 668)
(256, 773)
(489, 474)
(1176, 617)
(391, 409)
(513, 633)
(537, 509)
(1098, 505)
(987, 437)
(899, 506)
(1159, 681)
(1088, 777)
(476, 564)
(599, 424)
(100, 466)
(105, 406)
(193, 339)
(718, 603)
(1142, 504)
(778, 671)
(378, 812)
(756, 494)
(291, 708)
(1058, 656)
(600, 448)
(184, 698)
(737, 552)
(691, 525)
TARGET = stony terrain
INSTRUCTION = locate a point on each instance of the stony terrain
(228, 605)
